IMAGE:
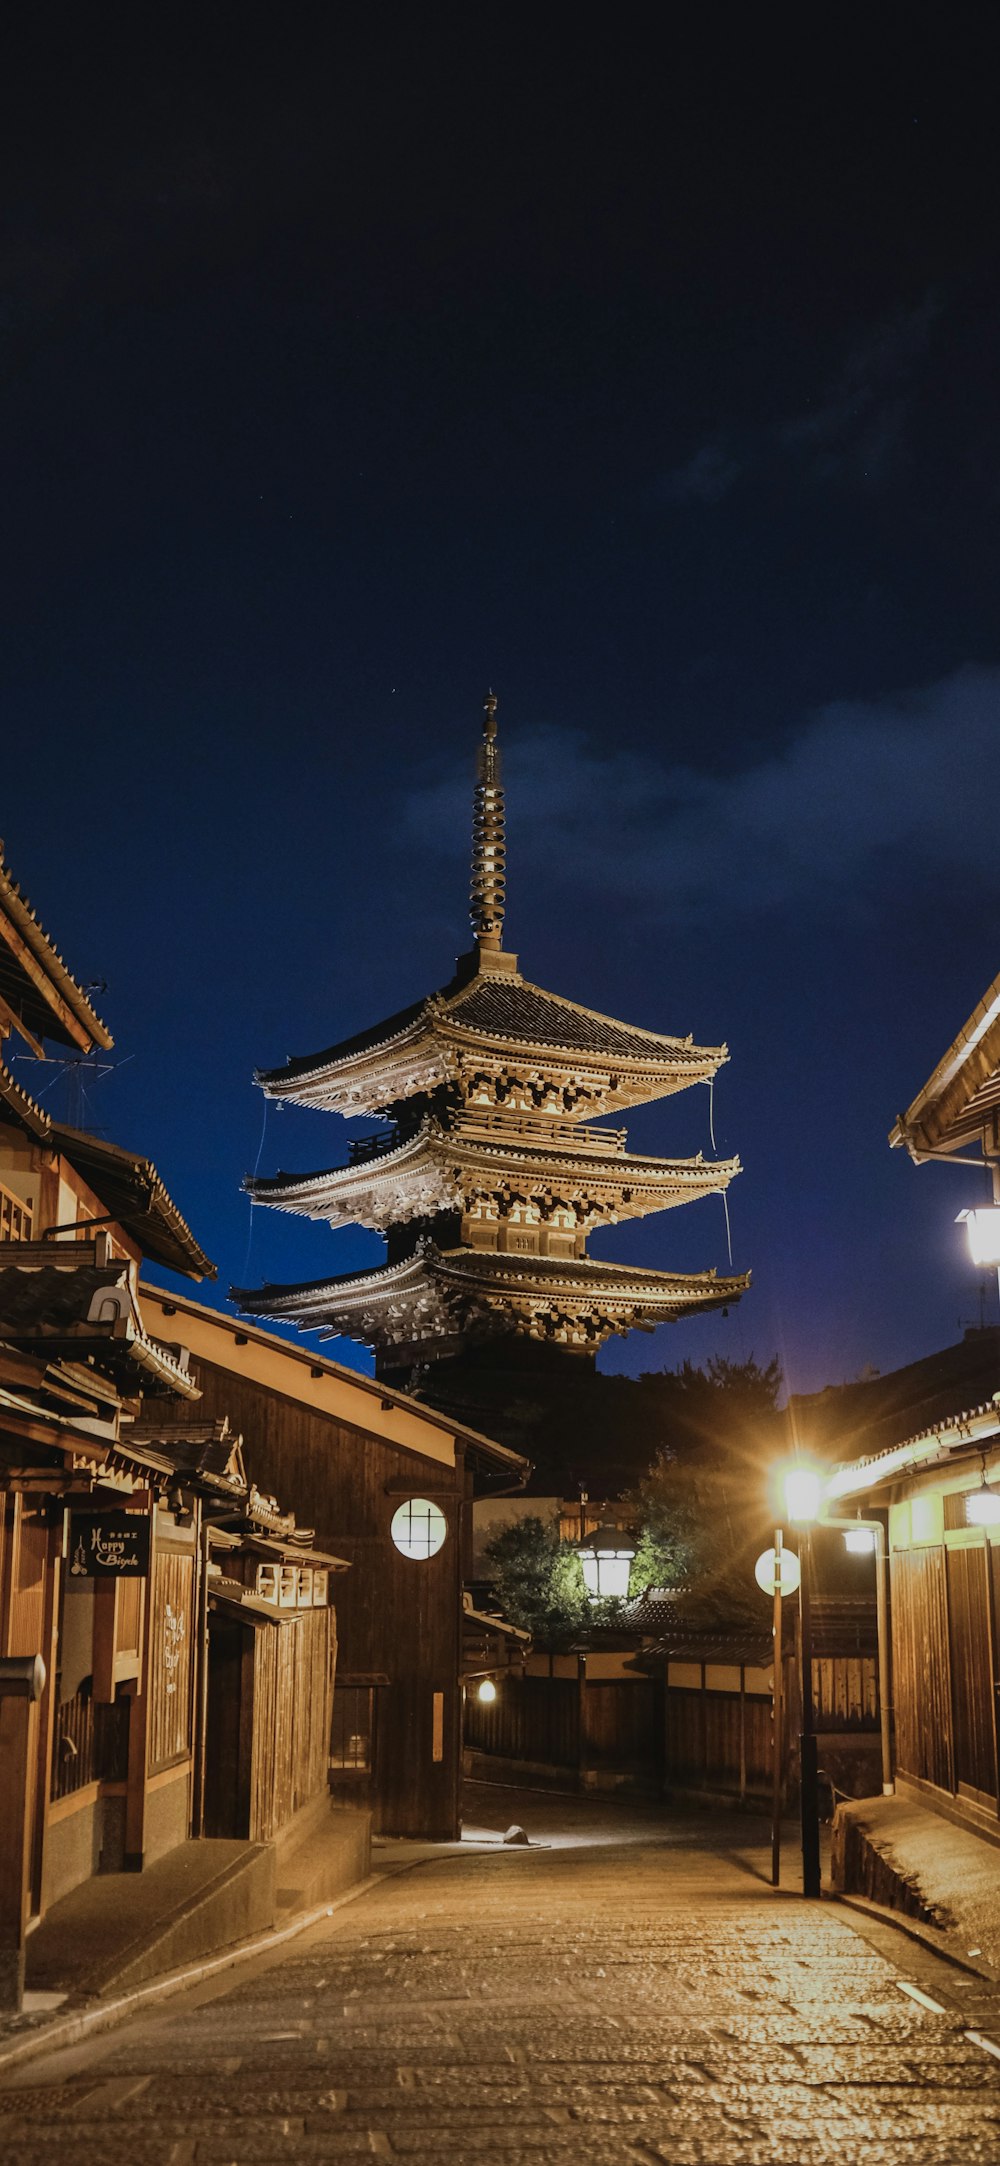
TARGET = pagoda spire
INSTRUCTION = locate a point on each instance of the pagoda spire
(488, 853)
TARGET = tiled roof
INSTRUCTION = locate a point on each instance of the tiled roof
(504, 1008)
(484, 1268)
(299, 1064)
(19, 1102)
(132, 1191)
(511, 1008)
(79, 1305)
(580, 1271)
(35, 979)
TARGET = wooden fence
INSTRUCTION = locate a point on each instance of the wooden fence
(593, 1726)
(699, 1725)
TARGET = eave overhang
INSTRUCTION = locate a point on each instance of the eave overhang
(36, 986)
(966, 1435)
(135, 1196)
(448, 1035)
(367, 1304)
(62, 1303)
(434, 1170)
(959, 1104)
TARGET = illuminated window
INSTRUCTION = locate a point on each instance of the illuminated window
(419, 1528)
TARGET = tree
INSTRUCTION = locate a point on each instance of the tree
(698, 1507)
(703, 1505)
(538, 1581)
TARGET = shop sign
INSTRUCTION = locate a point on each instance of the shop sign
(109, 1545)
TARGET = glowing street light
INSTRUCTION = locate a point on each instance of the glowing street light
(983, 1230)
(487, 1692)
(606, 1561)
(982, 1505)
(803, 1490)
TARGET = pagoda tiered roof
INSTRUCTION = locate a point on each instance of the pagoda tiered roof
(489, 1020)
(492, 1157)
(437, 1296)
(435, 1169)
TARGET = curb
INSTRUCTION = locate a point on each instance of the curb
(103, 2015)
(913, 1930)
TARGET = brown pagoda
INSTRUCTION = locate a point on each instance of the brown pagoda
(490, 1173)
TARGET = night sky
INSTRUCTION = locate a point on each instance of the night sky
(641, 363)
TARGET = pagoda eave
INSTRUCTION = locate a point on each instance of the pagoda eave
(433, 1172)
(435, 1295)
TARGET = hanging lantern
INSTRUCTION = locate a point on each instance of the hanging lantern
(606, 1560)
(983, 1230)
(982, 1505)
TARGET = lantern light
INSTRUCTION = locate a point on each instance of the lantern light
(983, 1230)
(487, 1692)
(982, 1505)
(606, 1563)
(803, 1486)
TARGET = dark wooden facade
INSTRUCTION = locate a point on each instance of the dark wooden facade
(270, 1690)
(946, 1658)
(321, 1437)
(944, 1576)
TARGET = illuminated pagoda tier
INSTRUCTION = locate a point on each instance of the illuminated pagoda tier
(490, 1173)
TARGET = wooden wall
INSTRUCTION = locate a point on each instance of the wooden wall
(596, 1726)
(170, 1676)
(397, 1618)
(270, 1690)
(944, 1603)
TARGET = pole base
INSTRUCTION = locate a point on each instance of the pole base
(809, 1809)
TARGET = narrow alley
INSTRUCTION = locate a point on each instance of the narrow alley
(626, 1988)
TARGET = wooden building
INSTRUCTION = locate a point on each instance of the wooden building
(127, 1524)
(489, 1172)
(388, 1484)
(944, 1570)
(940, 1485)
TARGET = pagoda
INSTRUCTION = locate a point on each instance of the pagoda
(492, 1166)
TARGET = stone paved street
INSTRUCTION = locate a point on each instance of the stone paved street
(633, 1992)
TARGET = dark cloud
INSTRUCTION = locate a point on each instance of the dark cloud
(854, 433)
(707, 477)
(866, 792)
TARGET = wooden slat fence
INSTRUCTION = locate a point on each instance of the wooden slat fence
(90, 1745)
(291, 1718)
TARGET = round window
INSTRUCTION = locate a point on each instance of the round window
(419, 1528)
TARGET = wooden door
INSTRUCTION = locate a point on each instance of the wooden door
(972, 1672)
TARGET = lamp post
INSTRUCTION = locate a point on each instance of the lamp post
(803, 1490)
(777, 1574)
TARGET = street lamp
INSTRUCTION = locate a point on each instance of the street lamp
(606, 1561)
(803, 1490)
(983, 1230)
(487, 1692)
(982, 1505)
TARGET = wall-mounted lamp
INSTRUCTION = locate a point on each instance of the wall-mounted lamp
(982, 1505)
(983, 1230)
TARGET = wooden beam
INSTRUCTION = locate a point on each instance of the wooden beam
(10, 1020)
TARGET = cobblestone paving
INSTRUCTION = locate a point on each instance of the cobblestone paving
(609, 2005)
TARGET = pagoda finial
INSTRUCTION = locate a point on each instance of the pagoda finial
(487, 891)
